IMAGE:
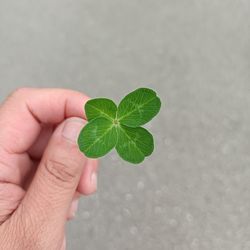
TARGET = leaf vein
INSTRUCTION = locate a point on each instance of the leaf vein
(90, 146)
(94, 107)
(139, 106)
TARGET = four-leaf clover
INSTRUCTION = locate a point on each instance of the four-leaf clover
(111, 127)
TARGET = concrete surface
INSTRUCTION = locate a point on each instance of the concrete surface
(193, 193)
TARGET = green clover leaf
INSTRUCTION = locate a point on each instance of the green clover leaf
(111, 127)
(100, 107)
(98, 137)
(134, 144)
(138, 107)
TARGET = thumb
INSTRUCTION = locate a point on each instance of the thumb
(51, 192)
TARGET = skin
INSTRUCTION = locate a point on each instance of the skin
(42, 171)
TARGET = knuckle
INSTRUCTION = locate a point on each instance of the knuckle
(16, 94)
(61, 171)
(10, 198)
(20, 91)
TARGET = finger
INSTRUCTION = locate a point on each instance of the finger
(88, 181)
(73, 206)
(30, 175)
(10, 198)
(86, 186)
(15, 168)
(22, 114)
(64, 243)
(52, 189)
(37, 149)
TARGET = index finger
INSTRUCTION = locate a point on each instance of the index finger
(22, 114)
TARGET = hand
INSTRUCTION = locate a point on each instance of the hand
(42, 172)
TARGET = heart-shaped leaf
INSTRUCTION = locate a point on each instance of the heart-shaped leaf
(134, 143)
(100, 107)
(138, 107)
(97, 138)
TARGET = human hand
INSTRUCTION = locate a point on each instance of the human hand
(42, 172)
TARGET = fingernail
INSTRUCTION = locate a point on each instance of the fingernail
(64, 243)
(74, 207)
(93, 180)
(72, 129)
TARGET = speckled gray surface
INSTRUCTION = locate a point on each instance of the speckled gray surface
(194, 192)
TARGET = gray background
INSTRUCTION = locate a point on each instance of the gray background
(193, 193)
